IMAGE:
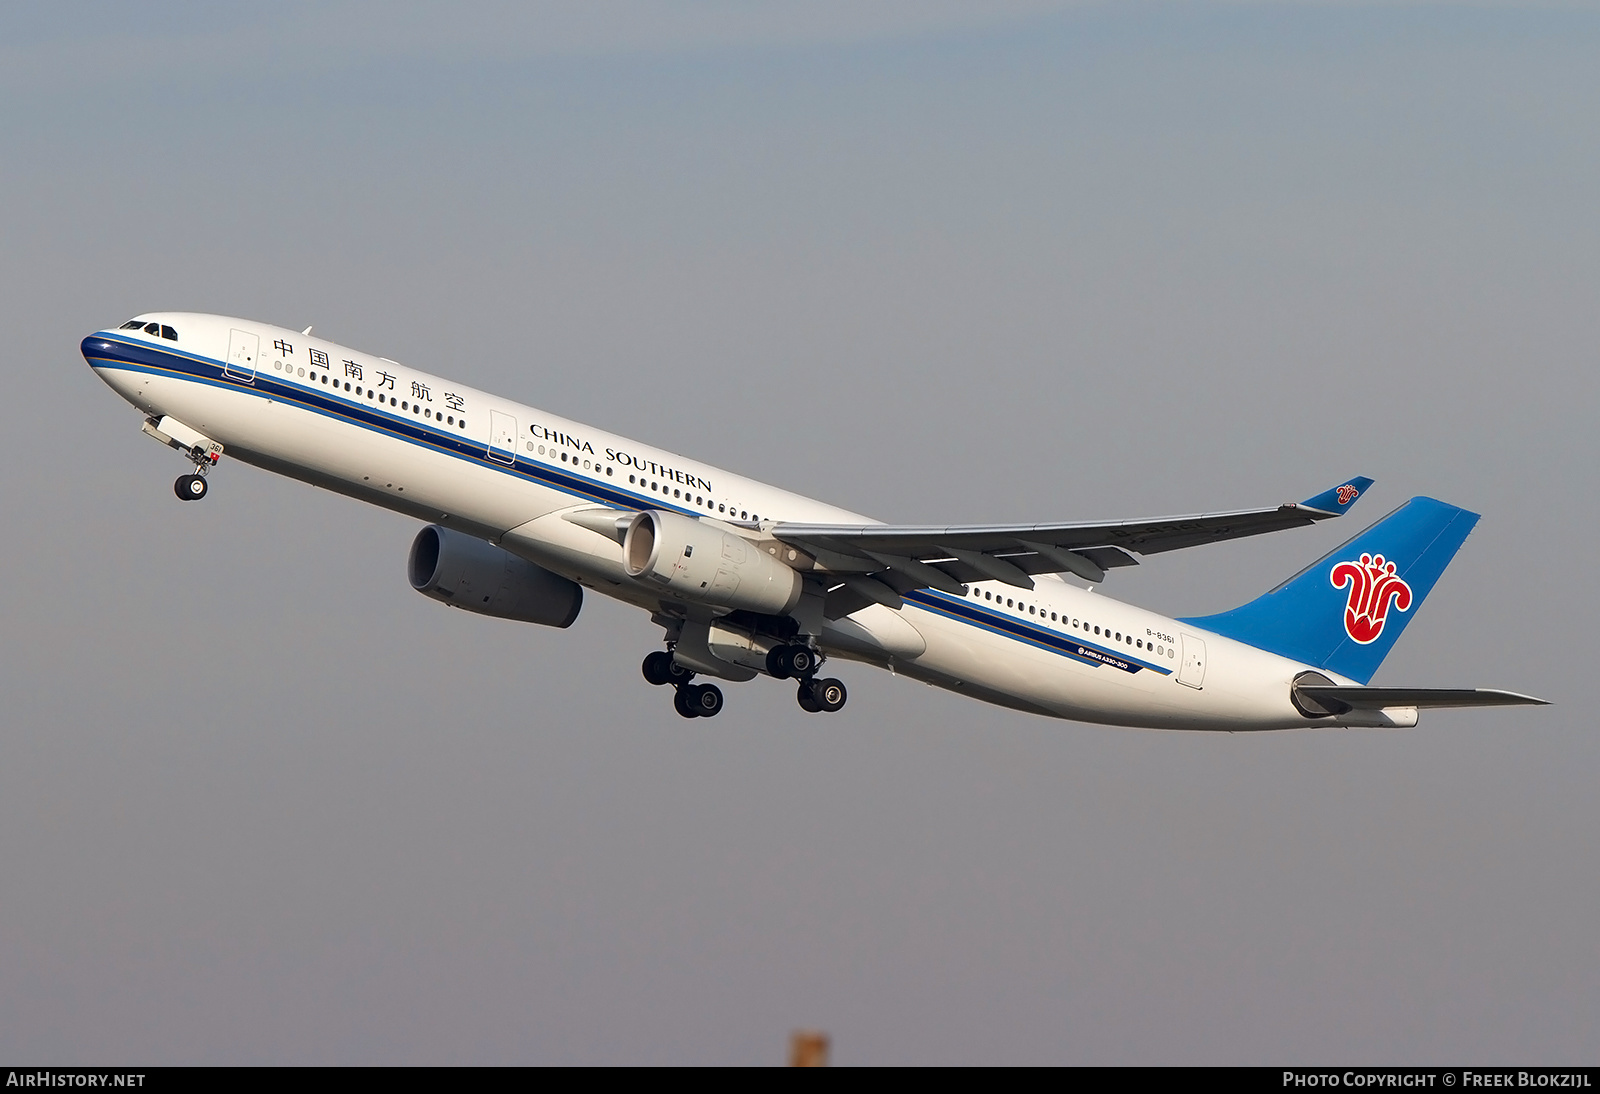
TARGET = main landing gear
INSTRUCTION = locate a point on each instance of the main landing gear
(690, 700)
(794, 660)
(821, 696)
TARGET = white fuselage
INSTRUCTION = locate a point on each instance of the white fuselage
(506, 472)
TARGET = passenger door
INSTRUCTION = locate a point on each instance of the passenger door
(1193, 672)
(243, 348)
(502, 437)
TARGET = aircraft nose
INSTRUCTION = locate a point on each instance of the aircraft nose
(97, 349)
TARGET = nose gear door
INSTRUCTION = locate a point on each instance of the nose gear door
(243, 348)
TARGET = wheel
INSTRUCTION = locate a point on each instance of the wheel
(829, 694)
(657, 668)
(190, 487)
(801, 661)
(806, 698)
(683, 703)
(706, 699)
(793, 660)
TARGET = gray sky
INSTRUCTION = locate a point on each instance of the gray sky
(261, 803)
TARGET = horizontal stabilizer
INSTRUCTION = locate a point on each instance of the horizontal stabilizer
(1332, 699)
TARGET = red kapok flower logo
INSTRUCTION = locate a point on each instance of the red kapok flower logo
(1374, 587)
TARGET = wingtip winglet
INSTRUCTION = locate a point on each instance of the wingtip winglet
(1337, 502)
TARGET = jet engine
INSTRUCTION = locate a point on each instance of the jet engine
(467, 572)
(698, 561)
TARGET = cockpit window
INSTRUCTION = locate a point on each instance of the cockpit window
(132, 324)
(168, 332)
(152, 328)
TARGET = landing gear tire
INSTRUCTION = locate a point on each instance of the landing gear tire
(829, 694)
(821, 696)
(792, 660)
(698, 701)
(659, 668)
(190, 487)
(706, 699)
(806, 699)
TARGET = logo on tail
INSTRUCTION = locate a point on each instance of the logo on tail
(1374, 586)
(1347, 493)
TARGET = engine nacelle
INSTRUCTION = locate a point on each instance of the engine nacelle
(467, 572)
(697, 561)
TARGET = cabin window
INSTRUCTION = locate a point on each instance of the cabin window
(132, 324)
(168, 333)
(152, 328)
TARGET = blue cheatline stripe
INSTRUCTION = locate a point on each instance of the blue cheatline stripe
(160, 360)
(1030, 633)
(137, 357)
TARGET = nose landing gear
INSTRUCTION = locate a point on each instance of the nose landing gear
(196, 447)
(190, 487)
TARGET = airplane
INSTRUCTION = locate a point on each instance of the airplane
(524, 510)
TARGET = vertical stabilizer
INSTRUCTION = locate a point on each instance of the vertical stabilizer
(1346, 611)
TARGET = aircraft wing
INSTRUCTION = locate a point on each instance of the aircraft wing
(899, 558)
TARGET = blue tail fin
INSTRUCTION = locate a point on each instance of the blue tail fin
(1344, 612)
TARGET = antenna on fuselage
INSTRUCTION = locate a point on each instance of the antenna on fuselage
(306, 331)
